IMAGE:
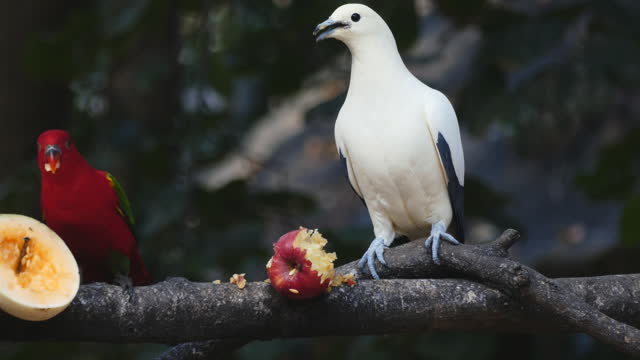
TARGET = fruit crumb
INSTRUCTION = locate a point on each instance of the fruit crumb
(239, 280)
(294, 291)
(350, 281)
(347, 279)
(217, 282)
(268, 281)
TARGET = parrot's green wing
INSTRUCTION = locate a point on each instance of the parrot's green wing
(124, 206)
(119, 262)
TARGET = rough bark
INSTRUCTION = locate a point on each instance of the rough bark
(531, 287)
(212, 349)
(177, 311)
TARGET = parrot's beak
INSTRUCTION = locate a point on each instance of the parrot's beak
(325, 29)
(52, 155)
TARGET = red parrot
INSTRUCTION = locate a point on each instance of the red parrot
(90, 211)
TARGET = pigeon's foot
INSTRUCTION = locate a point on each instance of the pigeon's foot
(438, 232)
(376, 248)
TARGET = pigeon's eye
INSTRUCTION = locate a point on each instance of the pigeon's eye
(355, 17)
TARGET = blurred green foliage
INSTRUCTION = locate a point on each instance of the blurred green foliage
(160, 88)
(616, 176)
(563, 71)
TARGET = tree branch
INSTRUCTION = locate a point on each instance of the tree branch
(404, 262)
(178, 311)
(534, 288)
(203, 350)
(490, 265)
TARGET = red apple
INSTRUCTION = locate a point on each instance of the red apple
(300, 268)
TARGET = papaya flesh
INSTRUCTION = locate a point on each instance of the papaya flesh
(39, 276)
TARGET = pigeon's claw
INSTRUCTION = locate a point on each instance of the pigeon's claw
(438, 232)
(376, 249)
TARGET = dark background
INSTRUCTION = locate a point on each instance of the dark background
(217, 117)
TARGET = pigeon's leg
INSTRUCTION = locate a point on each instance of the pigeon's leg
(438, 232)
(383, 229)
(375, 249)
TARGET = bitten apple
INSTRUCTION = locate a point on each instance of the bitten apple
(300, 268)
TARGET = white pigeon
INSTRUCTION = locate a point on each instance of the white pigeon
(399, 139)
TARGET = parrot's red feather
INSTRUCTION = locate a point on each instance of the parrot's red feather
(79, 204)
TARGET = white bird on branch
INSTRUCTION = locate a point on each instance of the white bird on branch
(399, 139)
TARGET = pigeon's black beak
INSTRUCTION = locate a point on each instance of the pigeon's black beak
(325, 29)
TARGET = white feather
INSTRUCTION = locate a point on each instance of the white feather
(387, 129)
(442, 119)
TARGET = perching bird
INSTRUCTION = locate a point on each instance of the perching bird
(399, 139)
(90, 211)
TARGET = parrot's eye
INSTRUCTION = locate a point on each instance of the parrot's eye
(67, 144)
(355, 17)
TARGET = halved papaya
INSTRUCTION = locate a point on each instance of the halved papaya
(39, 276)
